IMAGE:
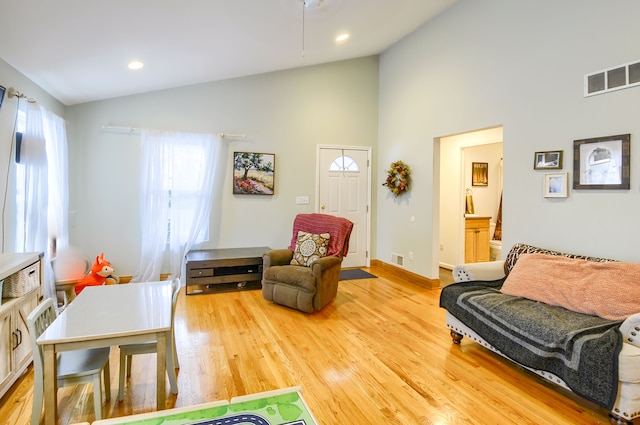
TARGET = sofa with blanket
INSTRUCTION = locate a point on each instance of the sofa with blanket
(574, 320)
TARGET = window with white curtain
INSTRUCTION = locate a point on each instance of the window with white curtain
(182, 183)
(177, 176)
(56, 149)
(41, 187)
(21, 123)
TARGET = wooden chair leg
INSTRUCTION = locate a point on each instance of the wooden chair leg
(123, 367)
(176, 363)
(97, 395)
(171, 370)
(129, 361)
(107, 382)
(36, 411)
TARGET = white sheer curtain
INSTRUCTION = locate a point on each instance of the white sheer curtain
(42, 187)
(58, 216)
(176, 196)
(33, 157)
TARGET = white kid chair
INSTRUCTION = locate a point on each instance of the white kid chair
(127, 351)
(74, 367)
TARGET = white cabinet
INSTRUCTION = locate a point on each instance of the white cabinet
(15, 344)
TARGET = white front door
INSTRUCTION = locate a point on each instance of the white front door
(344, 182)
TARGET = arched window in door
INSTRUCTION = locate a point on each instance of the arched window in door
(344, 163)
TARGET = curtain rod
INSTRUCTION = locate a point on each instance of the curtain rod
(14, 92)
(131, 130)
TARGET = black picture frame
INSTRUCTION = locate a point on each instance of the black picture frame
(548, 160)
(253, 173)
(602, 163)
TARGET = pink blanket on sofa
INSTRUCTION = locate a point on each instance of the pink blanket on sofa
(339, 228)
(600, 289)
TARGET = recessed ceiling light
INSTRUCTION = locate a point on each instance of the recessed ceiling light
(135, 65)
(342, 38)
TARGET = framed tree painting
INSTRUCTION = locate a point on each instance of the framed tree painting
(253, 173)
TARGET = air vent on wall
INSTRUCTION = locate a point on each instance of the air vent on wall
(397, 259)
(610, 79)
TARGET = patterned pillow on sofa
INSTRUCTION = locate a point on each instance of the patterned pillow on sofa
(309, 247)
(521, 248)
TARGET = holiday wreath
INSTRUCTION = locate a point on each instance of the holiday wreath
(398, 178)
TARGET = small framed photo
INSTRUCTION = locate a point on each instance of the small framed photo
(479, 173)
(602, 162)
(253, 173)
(556, 185)
(550, 160)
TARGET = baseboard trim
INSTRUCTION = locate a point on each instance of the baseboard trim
(422, 281)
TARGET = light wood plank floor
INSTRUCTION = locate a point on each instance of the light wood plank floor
(379, 354)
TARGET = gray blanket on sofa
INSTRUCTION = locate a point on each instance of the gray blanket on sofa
(580, 349)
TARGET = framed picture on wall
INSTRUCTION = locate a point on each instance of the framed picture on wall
(602, 162)
(479, 173)
(556, 185)
(550, 160)
(253, 173)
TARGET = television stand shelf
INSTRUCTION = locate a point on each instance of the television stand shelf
(224, 270)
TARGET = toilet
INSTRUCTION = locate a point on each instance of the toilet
(495, 247)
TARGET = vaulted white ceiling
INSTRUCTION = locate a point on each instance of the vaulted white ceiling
(78, 50)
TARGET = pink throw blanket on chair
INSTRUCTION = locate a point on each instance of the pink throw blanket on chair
(339, 228)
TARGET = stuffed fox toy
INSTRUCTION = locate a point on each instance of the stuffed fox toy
(101, 274)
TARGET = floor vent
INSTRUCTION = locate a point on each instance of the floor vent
(610, 79)
(397, 259)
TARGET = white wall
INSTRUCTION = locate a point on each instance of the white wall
(286, 113)
(520, 65)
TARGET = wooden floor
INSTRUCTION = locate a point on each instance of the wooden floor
(379, 354)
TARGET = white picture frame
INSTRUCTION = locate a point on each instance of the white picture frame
(556, 185)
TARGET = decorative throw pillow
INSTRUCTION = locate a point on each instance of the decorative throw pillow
(309, 247)
(521, 248)
(602, 289)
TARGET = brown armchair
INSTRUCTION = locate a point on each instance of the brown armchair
(307, 288)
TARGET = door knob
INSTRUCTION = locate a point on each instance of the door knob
(322, 207)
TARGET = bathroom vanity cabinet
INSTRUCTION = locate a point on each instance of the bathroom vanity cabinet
(477, 236)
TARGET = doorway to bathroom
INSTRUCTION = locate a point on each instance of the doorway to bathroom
(471, 166)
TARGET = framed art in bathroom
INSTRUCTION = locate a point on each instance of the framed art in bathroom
(479, 174)
(550, 160)
(556, 185)
(602, 162)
